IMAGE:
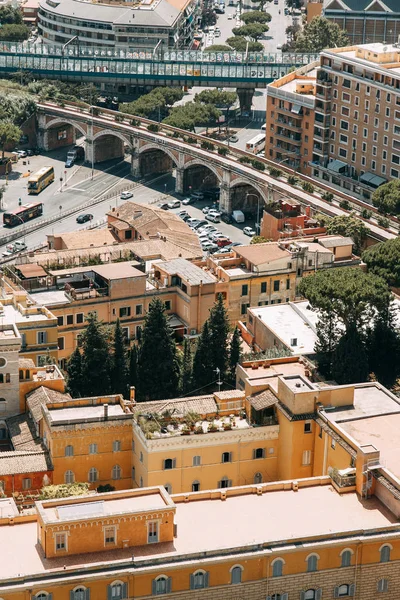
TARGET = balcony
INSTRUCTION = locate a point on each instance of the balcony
(290, 124)
(344, 480)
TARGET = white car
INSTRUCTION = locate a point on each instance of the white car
(279, 47)
(126, 195)
(174, 204)
(22, 153)
(249, 231)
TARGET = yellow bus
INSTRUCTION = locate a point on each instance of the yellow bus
(38, 181)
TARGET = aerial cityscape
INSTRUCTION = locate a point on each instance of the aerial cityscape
(200, 299)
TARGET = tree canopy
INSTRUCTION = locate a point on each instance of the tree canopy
(319, 34)
(387, 198)
(384, 260)
(240, 44)
(218, 48)
(10, 135)
(218, 98)
(255, 16)
(350, 358)
(348, 226)
(95, 358)
(192, 114)
(14, 32)
(252, 30)
(154, 104)
(10, 15)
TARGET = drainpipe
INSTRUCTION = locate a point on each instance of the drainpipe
(199, 306)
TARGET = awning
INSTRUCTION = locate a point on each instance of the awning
(175, 323)
(31, 270)
(372, 180)
(296, 108)
(337, 166)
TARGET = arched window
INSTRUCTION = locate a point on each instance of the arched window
(1, 378)
(80, 593)
(168, 487)
(311, 594)
(225, 482)
(385, 553)
(117, 591)
(343, 590)
(259, 453)
(236, 574)
(346, 558)
(69, 450)
(161, 585)
(116, 472)
(382, 585)
(277, 567)
(196, 486)
(69, 477)
(312, 563)
(199, 580)
(258, 478)
(43, 596)
(93, 475)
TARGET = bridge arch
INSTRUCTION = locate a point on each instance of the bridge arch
(112, 132)
(108, 144)
(61, 121)
(156, 159)
(247, 196)
(200, 175)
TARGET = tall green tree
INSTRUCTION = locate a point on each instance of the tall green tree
(14, 33)
(235, 352)
(159, 367)
(384, 260)
(219, 331)
(328, 336)
(349, 226)
(193, 114)
(74, 373)
(350, 358)
(252, 30)
(10, 135)
(119, 370)
(384, 349)
(203, 366)
(95, 358)
(10, 15)
(387, 198)
(319, 34)
(255, 16)
(241, 44)
(187, 367)
(133, 366)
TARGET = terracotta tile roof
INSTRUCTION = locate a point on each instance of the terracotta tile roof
(23, 435)
(31, 270)
(26, 363)
(42, 396)
(258, 254)
(188, 271)
(264, 399)
(227, 394)
(94, 238)
(21, 462)
(179, 406)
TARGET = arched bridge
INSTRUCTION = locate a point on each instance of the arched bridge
(196, 162)
(173, 67)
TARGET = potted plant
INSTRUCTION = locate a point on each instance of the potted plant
(212, 427)
(199, 429)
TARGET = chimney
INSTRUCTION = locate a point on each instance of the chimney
(132, 393)
(105, 412)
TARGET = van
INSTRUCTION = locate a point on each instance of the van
(238, 216)
(264, 127)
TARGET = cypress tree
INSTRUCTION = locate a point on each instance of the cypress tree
(384, 353)
(350, 359)
(219, 331)
(74, 374)
(203, 367)
(235, 352)
(158, 360)
(119, 371)
(95, 359)
(187, 367)
(328, 337)
(133, 366)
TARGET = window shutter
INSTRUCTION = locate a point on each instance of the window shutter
(206, 579)
(284, 596)
(302, 595)
(44, 337)
(219, 484)
(154, 587)
(263, 455)
(192, 582)
(168, 585)
(163, 464)
(49, 596)
(352, 589)
(230, 456)
(318, 594)
(109, 593)
(174, 463)
(229, 482)
(124, 590)
(336, 592)
(254, 454)
(268, 598)
(72, 595)
(87, 594)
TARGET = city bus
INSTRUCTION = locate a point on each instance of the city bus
(38, 181)
(256, 144)
(23, 214)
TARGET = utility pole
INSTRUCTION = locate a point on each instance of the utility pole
(219, 382)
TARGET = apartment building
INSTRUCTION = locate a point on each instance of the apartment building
(290, 119)
(287, 218)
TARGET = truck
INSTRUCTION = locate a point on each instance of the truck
(238, 216)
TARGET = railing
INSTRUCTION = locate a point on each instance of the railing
(343, 481)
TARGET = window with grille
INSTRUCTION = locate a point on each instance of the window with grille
(116, 472)
(69, 451)
(69, 477)
(61, 542)
(93, 475)
(109, 535)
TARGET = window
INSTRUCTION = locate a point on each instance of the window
(60, 321)
(93, 475)
(344, 590)
(92, 448)
(69, 477)
(141, 457)
(382, 585)
(80, 593)
(43, 596)
(243, 309)
(69, 451)
(152, 532)
(263, 287)
(125, 311)
(117, 591)
(224, 483)
(307, 427)
(26, 483)
(42, 337)
(306, 457)
(169, 463)
(385, 554)
(226, 457)
(346, 558)
(168, 488)
(236, 574)
(196, 486)
(167, 305)
(258, 478)
(245, 290)
(161, 585)
(138, 309)
(199, 580)
(116, 446)
(284, 596)
(110, 536)
(288, 284)
(276, 285)
(311, 594)
(344, 125)
(60, 343)
(79, 318)
(259, 453)
(116, 472)
(196, 461)
(312, 563)
(70, 319)
(277, 568)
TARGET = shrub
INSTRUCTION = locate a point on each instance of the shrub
(244, 159)
(106, 488)
(274, 172)
(308, 187)
(292, 180)
(63, 490)
(383, 222)
(207, 145)
(258, 165)
(135, 122)
(119, 118)
(345, 204)
(153, 127)
(223, 151)
(191, 140)
(95, 111)
(328, 196)
(366, 214)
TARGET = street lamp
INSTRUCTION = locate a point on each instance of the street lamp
(91, 112)
(258, 210)
(23, 228)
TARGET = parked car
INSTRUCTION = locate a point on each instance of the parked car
(215, 235)
(187, 201)
(84, 218)
(174, 204)
(69, 163)
(249, 231)
(22, 153)
(183, 213)
(233, 139)
(163, 205)
(226, 218)
(205, 210)
(126, 195)
(197, 196)
(19, 246)
(214, 218)
(200, 224)
(209, 247)
(230, 17)
(207, 228)
(279, 46)
(192, 221)
(225, 250)
(223, 241)
(30, 153)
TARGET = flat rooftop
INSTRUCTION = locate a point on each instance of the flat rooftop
(188, 271)
(291, 86)
(317, 510)
(75, 414)
(12, 315)
(270, 374)
(122, 270)
(370, 400)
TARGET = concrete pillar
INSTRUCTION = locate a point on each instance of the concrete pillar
(179, 180)
(43, 139)
(89, 150)
(135, 165)
(225, 202)
(245, 98)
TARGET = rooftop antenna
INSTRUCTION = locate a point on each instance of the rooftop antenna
(219, 382)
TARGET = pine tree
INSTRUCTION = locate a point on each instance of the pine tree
(384, 352)
(133, 367)
(203, 366)
(187, 367)
(235, 352)
(95, 359)
(350, 359)
(328, 336)
(219, 331)
(158, 360)
(119, 370)
(74, 374)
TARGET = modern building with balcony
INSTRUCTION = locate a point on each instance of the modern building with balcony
(132, 26)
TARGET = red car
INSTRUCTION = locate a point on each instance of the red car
(223, 241)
